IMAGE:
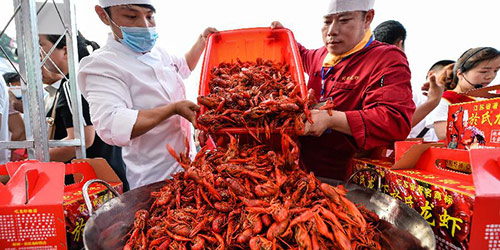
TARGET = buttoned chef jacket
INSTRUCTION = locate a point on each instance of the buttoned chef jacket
(373, 88)
(118, 82)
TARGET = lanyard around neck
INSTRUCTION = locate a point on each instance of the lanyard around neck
(325, 74)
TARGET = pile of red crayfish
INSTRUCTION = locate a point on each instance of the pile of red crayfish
(258, 95)
(250, 197)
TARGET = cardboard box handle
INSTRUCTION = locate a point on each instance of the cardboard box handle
(3, 170)
(86, 196)
(30, 177)
(428, 162)
(82, 172)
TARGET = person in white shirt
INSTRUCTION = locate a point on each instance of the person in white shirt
(427, 99)
(4, 120)
(476, 68)
(16, 122)
(136, 92)
(394, 33)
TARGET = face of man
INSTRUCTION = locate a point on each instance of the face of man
(342, 31)
(126, 16)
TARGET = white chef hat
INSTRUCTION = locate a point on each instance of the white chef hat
(339, 6)
(49, 22)
(107, 3)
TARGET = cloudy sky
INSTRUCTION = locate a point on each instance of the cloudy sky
(438, 29)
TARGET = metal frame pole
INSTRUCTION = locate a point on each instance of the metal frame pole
(22, 71)
(72, 48)
(29, 54)
(30, 65)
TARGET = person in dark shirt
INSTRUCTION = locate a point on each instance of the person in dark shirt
(62, 116)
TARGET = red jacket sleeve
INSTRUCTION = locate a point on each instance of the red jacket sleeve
(310, 58)
(305, 55)
(387, 106)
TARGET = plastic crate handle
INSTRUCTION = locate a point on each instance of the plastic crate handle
(86, 196)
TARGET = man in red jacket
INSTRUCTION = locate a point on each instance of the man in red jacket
(368, 81)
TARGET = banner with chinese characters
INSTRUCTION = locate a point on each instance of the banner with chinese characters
(474, 124)
(446, 206)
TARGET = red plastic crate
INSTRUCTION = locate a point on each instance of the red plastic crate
(278, 45)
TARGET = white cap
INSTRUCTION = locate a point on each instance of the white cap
(107, 3)
(339, 6)
(49, 22)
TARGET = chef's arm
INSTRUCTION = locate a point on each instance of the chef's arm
(323, 121)
(193, 55)
(64, 154)
(147, 119)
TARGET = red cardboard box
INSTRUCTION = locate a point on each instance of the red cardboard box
(31, 206)
(446, 199)
(75, 210)
(474, 124)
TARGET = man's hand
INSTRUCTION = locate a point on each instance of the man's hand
(193, 55)
(322, 121)
(187, 109)
(207, 32)
(425, 88)
(277, 25)
(435, 89)
(446, 75)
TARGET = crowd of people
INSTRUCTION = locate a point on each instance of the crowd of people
(134, 100)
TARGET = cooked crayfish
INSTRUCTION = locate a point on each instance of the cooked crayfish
(251, 197)
(259, 95)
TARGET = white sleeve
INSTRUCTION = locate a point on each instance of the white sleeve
(110, 103)
(439, 114)
(184, 70)
(181, 66)
(4, 97)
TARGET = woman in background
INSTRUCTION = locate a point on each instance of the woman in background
(476, 68)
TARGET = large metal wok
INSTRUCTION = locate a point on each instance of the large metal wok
(111, 222)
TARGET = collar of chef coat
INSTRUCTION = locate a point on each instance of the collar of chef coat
(150, 58)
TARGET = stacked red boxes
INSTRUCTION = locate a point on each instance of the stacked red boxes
(463, 209)
(31, 206)
(60, 209)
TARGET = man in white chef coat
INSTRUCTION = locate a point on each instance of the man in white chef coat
(136, 92)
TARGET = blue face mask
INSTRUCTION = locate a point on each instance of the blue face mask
(139, 39)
